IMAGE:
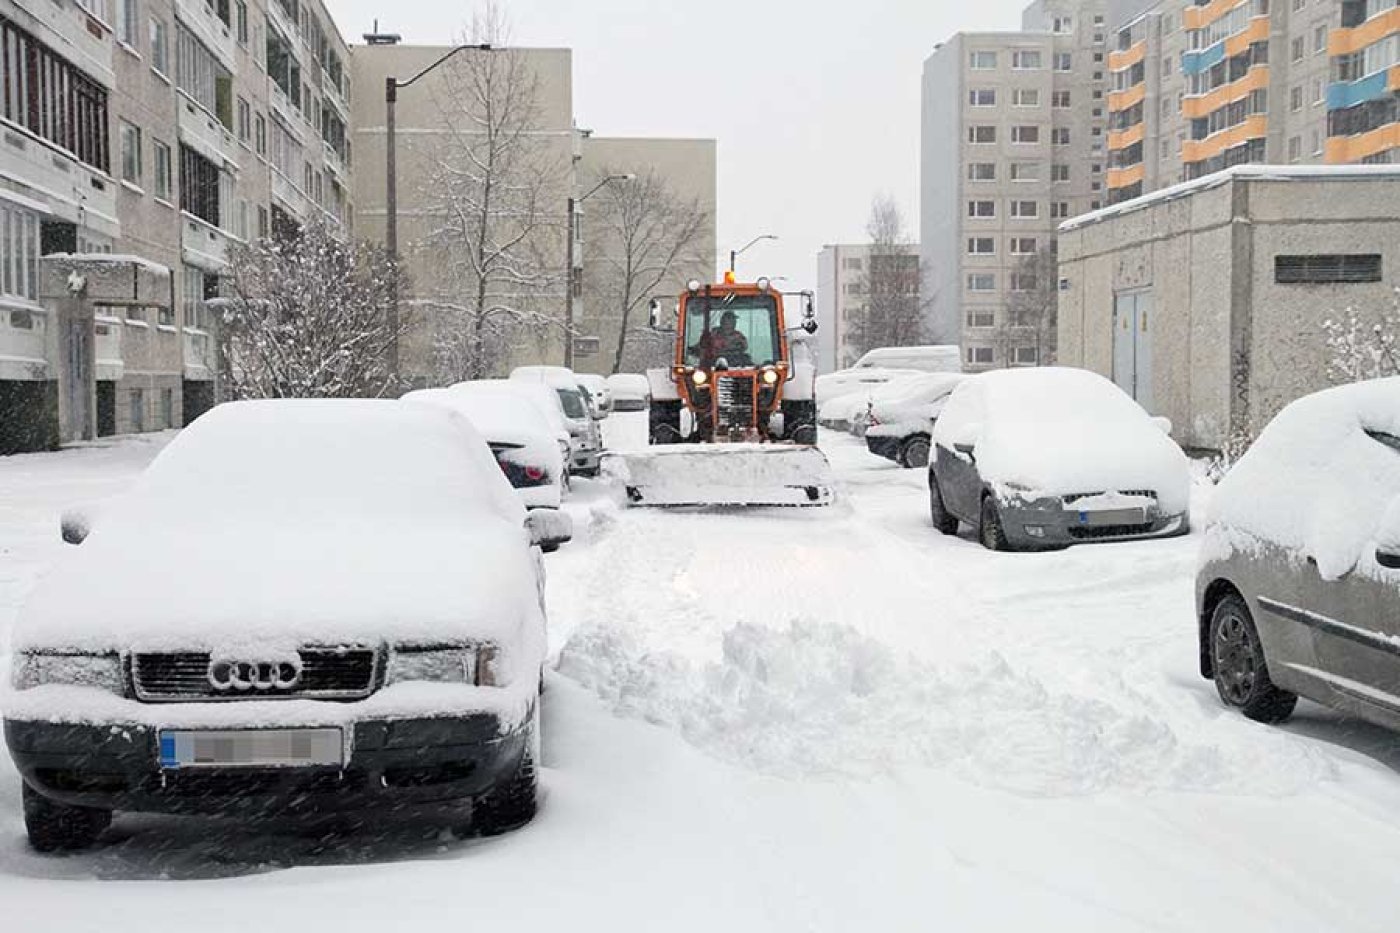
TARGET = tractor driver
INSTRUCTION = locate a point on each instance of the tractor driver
(723, 342)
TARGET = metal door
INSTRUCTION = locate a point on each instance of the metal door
(1132, 345)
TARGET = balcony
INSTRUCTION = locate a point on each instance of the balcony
(212, 31)
(110, 363)
(286, 111)
(24, 329)
(199, 355)
(1364, 35)
(288, 196)
(57, 183)
(202, 132)
(82, 41)
(1256, 79)
(202, 244)
(1198, 150)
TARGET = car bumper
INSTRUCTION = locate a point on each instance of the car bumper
(539, 497)
(1032, 527)
(887, 447)
(585, 460)
(391, 763)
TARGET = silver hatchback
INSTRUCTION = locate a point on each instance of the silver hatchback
(1298, 592)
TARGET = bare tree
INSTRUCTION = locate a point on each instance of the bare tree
(307, 317)
(496, 193)
(644, 235)
(1363, 346)
(1032, 308)
(892, 315)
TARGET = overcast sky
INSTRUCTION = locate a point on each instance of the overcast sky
(815, 104)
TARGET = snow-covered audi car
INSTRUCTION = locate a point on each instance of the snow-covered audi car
(301, 606)
(1050, 457)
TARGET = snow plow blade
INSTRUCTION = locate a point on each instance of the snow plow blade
(724, 475)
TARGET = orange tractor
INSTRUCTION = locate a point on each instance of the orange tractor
(734, 419)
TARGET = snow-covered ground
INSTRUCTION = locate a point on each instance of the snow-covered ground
(802, 720)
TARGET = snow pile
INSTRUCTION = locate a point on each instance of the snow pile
(1061, 431)
(1316, 482)
(821, 700)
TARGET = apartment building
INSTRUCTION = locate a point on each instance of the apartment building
(142, 139)
(843, 272)
(1199, 87)
(1013, 142)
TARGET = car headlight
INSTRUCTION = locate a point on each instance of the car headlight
(38, 668)
(452, 665)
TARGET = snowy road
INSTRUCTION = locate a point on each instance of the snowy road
(803, 720)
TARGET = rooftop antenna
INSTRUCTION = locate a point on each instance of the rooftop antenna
(382, 38)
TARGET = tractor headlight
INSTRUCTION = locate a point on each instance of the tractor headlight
(38, 668)
(699, 377)
(693, 286)
(770, 376)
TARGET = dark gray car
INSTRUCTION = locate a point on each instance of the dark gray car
(1298, 591)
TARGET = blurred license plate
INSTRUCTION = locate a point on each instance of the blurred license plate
(1114, 517)
(251, 748)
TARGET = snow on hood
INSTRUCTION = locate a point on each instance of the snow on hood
(1060, 431)
(913, 399)
(1316, 483)
(501, 417)
(293, 522)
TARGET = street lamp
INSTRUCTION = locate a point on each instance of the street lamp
(735, 253)
(569, 261)
(391, 192)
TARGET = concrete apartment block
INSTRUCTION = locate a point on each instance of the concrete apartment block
(841, 292)
(1205, 301)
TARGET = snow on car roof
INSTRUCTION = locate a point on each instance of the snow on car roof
(541, 396)
(500, 416)
(1315, 482)
(556, 377)
(634, 384)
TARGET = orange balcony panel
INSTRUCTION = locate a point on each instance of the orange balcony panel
(1394, 83)
(1198, 150)
(1125, 138)
(1255, 79)
(1199, 17)
(1122, 61)
(1342, 150)
(1346, 41)
(1256, 31)
(1122, 100)
(1123, 177)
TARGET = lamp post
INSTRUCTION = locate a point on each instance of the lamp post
(570, 276)
(735, 253)
(391, 189)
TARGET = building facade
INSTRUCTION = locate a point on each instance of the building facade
(1013, 143)
(142, 140)
(1207, 301)
(843, 272)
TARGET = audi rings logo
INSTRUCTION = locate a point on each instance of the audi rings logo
(243, 676)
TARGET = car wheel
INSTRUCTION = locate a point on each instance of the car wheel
(512, 803)
(913, 453)
(1237, 661)
(60, 827)
(989, 529)
(943, 520)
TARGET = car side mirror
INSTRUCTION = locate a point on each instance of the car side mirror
(1388, 557)
(967, 450)
(810, 325)
(549, 528)
(75, 526)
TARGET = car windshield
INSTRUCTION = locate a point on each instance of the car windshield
(740, 330)
(572, 403)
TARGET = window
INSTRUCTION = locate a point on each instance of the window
(1319, 38)
(163, 179)
(19, 252)
(1025, 134)
(1059, 99)
(981, 318)
(1025, 97)
(981, 134)
(1059, 172)
(1062, 25)
(200, 186)
(129, 22)
(1295, 98)
(165, 315)
(1025, 356)
(1025, 210)
(1295, 148)
(1060, 136)
(245, 117)
(1025, 59)
(260, 134)
(1299, 48)
(981, 208)
(1064, 61)
(1023, 245)
(52, 99)
(199, 74)
(982, 282)
(982, 171)
(983, 61)
(1327, 269)
(136, 408)
(1318, 96)
(160, 46)
(240, 21)
(981, 246)
(262, 222)
(130, 140)
(167, 408)
(1023, 281)
(1025, 171)
(852, 264)
(981, 355)
(982, 97)
(1059, 210)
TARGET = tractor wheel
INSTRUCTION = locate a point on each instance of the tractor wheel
(665, 418)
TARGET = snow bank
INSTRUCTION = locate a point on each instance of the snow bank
(821, 700)
(1316, 483)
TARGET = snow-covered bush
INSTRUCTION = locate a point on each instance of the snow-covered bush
(1363, 345)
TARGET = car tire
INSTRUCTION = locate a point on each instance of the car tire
(914, 452)
(512, 803)
(943, 520)
(1238, 666)
(61, 827)
(989, 530)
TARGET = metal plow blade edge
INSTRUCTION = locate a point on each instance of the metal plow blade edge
(736, 475)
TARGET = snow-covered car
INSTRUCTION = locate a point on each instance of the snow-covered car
(597, 388)
(831, 386)
(934, 358)
(301, 606)
(839, 413)
(1046, 458)
(630, 392)
(586, 454)
(524, 443)
(902, 414)
(1298, 590)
